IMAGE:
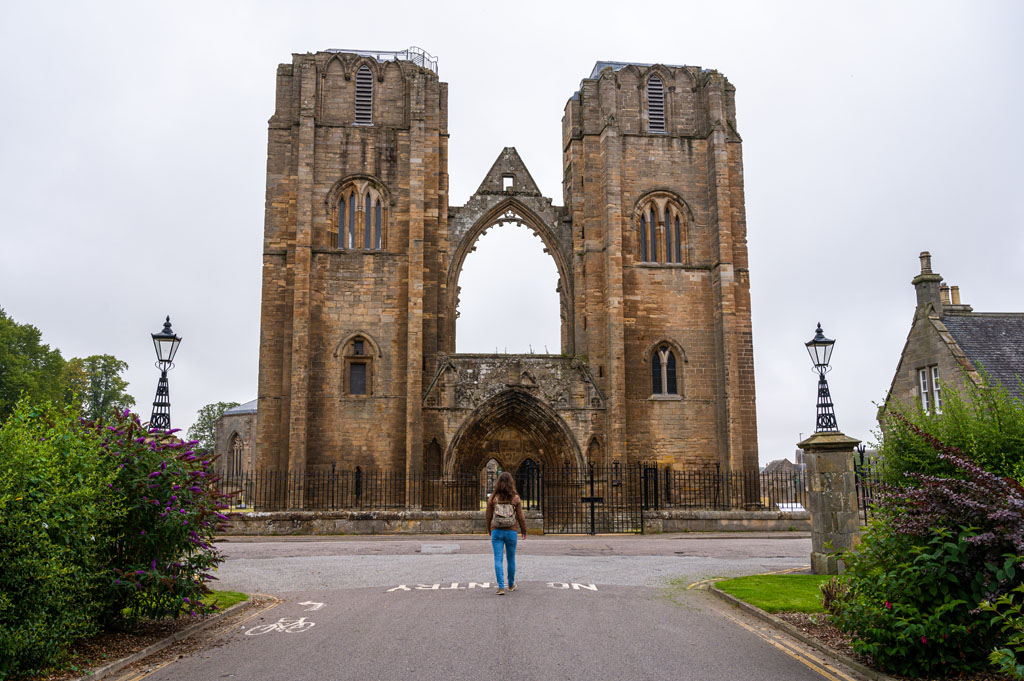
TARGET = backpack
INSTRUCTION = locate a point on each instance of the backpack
(504, 516)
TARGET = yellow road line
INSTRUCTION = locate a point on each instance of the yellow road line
(830, 673)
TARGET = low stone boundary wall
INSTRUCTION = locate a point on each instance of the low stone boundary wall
(273, 523)
(678, 520)
(282, 523)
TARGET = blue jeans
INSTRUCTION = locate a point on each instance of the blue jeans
(504, 539)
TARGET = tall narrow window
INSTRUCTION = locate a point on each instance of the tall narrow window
(923, 377)
(357, 378)
(341, 223)
(670, 371)
(369, 234)
(352, 221)
(936, 390)
(669, 252)
(364, 96)
(679, 247)
(376, 225)
(663, 372)
(655, 105)
(236, 456)
(654, 237)
(656, 373)
(643, 238)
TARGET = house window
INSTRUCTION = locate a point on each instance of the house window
(663, 372)
(929, 391)
(361, 216)
(364, 96)
(655, 105)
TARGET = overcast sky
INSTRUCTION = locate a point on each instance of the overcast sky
(133, 144)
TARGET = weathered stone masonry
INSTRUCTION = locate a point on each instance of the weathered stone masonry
(362, 256)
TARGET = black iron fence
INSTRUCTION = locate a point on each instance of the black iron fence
(624, 491)
(869, 475)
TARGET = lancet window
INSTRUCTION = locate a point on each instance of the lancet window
(360, 217)
(661, 227)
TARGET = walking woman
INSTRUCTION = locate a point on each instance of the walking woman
(504, 512)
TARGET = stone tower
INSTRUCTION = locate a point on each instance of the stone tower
(653, 186)
(362, 257)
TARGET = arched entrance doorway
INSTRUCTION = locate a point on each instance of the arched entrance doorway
(515, 429)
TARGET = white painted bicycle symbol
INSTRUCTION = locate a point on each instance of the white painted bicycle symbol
(284, 625)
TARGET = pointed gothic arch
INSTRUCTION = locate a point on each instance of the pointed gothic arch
(513, 210)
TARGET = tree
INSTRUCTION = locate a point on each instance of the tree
(206, 419)
(27, 366)
(94, 384)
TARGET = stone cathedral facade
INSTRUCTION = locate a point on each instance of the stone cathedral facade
(362, 256)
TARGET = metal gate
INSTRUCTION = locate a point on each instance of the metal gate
(593, 500)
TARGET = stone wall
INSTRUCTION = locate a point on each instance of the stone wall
(472, 522)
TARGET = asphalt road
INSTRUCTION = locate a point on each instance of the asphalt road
(425, 608)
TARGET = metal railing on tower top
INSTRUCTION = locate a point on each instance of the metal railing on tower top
(416, 55)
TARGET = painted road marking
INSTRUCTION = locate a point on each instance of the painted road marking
(313, 605)
(455, 586)
(284, 625)
(785, 645)
(439, 548)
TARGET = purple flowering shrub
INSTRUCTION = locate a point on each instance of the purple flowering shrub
(163, 554)
(939, 548)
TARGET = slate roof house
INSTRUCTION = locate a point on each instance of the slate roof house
(950, 342)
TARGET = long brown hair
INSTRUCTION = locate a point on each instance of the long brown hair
(505, 487)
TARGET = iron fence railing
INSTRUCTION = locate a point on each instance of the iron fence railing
(869, 475)
(653, 487)
(715, 489)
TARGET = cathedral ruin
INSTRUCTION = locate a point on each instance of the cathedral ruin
(362, 256)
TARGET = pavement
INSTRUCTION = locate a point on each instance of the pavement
(606, 607)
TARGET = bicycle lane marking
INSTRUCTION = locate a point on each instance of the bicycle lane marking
(275, 602)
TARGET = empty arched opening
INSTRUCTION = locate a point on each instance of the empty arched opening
(508, 289)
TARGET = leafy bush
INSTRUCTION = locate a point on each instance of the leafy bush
(102, 521)
(59, 513)
(163, 553)
(938, 549)
(986, 423)
(1009, 617)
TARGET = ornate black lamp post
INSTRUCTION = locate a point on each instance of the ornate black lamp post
(820, 350)
(166, 344)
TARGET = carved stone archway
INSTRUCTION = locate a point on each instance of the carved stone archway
(513, 417)
(519, 203)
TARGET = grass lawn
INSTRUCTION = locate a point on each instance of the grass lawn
(777, 593)
(224, 599)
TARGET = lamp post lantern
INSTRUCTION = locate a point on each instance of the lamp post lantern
(820, 350)
(165, 343)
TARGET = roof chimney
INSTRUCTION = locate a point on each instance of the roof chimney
(956, 306)
(944, 294)
(927, 285)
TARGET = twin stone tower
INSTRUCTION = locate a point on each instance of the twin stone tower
(362, 255)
